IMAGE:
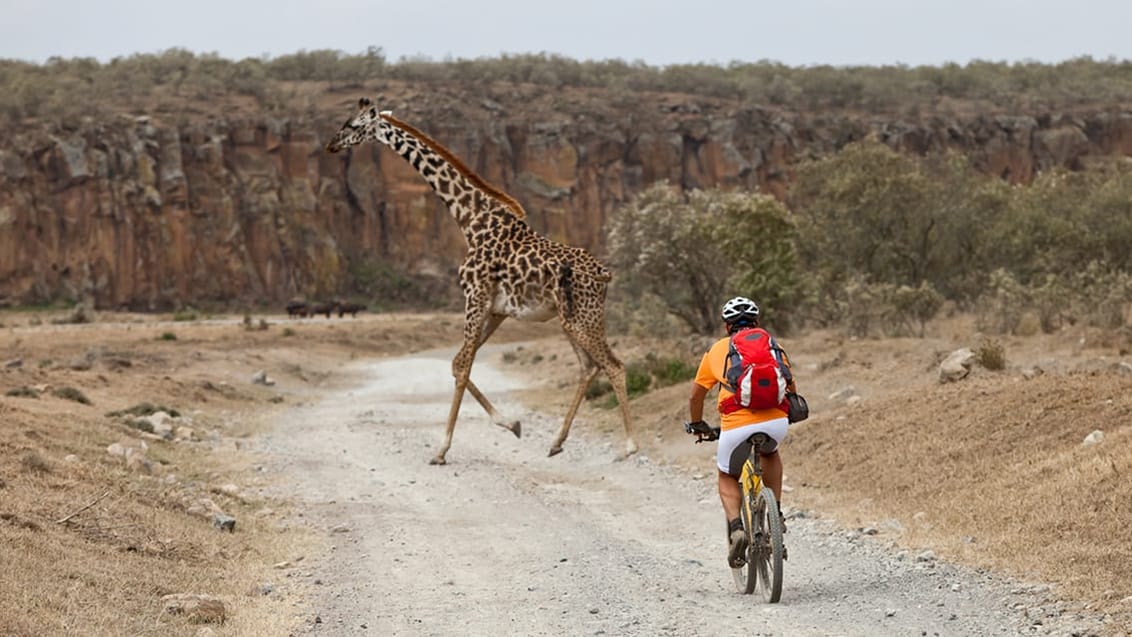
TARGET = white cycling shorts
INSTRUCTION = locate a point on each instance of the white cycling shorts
(730, 439)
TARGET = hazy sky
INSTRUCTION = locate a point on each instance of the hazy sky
(658, 32)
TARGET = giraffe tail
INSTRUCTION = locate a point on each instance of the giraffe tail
(566, 285)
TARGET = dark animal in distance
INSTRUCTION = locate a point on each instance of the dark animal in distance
(297, 308)
(325, 308)
(350, 308)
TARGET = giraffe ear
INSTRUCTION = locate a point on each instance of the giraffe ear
(364, 102)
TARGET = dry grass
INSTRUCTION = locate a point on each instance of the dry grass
(992, 473)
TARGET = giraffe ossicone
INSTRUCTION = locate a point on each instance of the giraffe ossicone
(509, 271)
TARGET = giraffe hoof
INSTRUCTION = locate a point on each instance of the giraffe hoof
(517, 429)
(438, 460)
(554, 451)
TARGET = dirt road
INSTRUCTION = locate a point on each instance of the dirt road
(504, 540)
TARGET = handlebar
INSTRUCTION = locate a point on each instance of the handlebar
(704, 432)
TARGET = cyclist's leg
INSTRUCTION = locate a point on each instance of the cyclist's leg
(729, 495)
(772, 472)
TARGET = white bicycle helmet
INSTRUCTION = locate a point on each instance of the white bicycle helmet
(740, 308)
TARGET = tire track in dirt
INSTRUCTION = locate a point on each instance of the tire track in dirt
(504, 540)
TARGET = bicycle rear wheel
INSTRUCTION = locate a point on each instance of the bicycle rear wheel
(766, 550)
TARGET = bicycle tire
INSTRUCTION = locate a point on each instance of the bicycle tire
(766, 549)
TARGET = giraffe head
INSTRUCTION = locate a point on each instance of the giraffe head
(367, 124)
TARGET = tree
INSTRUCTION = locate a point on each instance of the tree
(696, 250)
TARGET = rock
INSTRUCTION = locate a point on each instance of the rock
(1123, 368)
(956, 366)
(1030, 373)
(852, 400)
(204, 508)
(198, 608)
(224, 522)
(183, 434)
(926, 556)
(261, 378)
(116, 449)
(1093, 438)
(13, 363)
(843, 395)
(136, 461)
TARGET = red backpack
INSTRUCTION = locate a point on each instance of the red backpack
(756, 371)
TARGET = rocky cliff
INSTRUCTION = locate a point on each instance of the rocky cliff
(153, 211)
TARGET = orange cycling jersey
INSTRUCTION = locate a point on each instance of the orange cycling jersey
(711, 373)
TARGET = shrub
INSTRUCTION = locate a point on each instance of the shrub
(186, 314)
(34, 462)
(22, 392)
(669, 371)
(637, 379)
(167, 336)
(991, 354)
(70, 393)
(143, 409)
(694, 250)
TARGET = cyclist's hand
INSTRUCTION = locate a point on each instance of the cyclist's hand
(703, 431)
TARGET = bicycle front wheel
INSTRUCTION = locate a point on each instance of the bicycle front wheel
(766, 550)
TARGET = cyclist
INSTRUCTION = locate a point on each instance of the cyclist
(737, 426)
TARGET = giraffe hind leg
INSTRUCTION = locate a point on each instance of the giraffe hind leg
(594, 354)
(588, 373)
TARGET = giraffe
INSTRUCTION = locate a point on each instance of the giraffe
(509, 271)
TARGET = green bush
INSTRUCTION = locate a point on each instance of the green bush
(143, 409)
(22, 392)
(70, 393)
(637, 379)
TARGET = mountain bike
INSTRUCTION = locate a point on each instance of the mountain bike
(761, 567)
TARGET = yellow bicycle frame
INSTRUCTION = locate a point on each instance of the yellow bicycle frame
(750, 481)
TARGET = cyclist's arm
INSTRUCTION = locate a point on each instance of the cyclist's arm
(696, 402)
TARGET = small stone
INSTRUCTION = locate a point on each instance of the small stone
(891, 612)
(224, 522)
(261, 378)
(13, 363)
(926, 556)
(1093, 438)
(593, 611)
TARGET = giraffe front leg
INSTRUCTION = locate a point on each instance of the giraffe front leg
(514, 426)
(453, 411)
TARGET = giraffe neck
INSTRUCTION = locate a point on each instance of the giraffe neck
(472, 201)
